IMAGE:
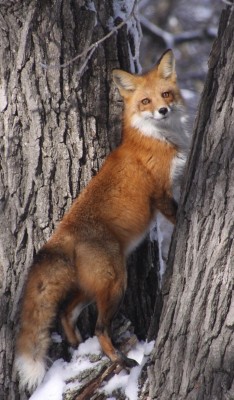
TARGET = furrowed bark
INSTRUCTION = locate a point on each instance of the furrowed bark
(193, 356)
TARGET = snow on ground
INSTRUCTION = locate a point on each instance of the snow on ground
(67, 376)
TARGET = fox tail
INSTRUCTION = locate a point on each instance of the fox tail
(46, 286)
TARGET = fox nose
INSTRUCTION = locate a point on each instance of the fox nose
(163, 110)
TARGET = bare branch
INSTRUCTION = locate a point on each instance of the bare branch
(143, 4)
(171, 39)
(92, 387)
(229, 3)
(167, 37)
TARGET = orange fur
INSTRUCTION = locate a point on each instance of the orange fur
(86, 255)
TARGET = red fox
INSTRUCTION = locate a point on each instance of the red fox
(85, 259)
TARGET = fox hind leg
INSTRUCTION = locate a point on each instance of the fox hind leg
(103, 277)
(69, 318)
(108, 304)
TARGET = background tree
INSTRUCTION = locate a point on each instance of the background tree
(193, 356)
(56, 125)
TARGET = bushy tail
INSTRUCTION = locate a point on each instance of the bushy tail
(46, 286)
(31, 372)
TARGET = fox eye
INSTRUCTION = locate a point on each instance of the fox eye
(165, 94)
(145, 101)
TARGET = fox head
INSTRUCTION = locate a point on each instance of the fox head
(153, 103)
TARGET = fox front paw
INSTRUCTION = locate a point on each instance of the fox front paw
(125, 361)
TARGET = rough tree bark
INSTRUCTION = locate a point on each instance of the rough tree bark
(56, 128)
(194, 352)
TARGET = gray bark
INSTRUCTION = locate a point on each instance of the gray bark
(56, 125)
(193, 355)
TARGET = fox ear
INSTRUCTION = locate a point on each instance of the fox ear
(125, 81)
(166, 65)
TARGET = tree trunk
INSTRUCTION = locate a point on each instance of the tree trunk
(193, 355)
(56, 129)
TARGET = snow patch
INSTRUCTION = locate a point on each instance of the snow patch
(161, 232)
(131, 390)
(90, 346)
(3, 98)
(90, 5)
(56, 338)
(122, 9)
(119, 381)
(63, 376)
(53, 385)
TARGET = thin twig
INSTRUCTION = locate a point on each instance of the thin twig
(143, 4)
(170, 40)
(81, 69)
(94, 45)
(166, 36)
(229, 3)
